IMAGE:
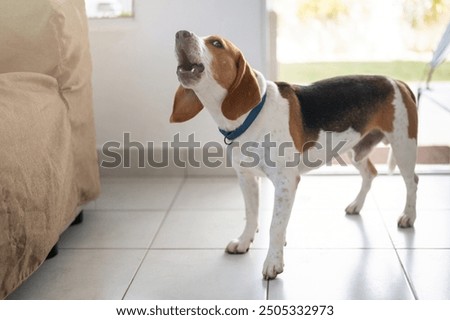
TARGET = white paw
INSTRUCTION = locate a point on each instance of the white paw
(273, 266)
(406, 221)
(237, 246)
(353, 208)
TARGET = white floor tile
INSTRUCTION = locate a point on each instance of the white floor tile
(432, 193)
(113, 229)
(330, 192)
(137, 193)
(428, 271)
(210, 193)
(325, 228)
(202, 229)
(199, 274)
(431, 230)
(340, 274)
(328, 256)
(82, 274)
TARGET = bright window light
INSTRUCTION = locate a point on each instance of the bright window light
(109, 8)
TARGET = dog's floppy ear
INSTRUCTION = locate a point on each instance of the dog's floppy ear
(243, 94)
(186, 105)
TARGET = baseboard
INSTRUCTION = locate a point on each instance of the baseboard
(195, 163)
(163, 163)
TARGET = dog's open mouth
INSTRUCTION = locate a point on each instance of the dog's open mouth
(186, 66)
(191, 68)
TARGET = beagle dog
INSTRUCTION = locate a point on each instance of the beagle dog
(356, 111)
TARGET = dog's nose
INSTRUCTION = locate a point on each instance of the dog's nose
(183, 34)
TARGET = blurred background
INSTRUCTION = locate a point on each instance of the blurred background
(298, 41)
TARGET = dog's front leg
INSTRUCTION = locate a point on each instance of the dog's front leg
(285, 188)
(250, 189)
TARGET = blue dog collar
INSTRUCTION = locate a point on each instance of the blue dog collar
(229, 136)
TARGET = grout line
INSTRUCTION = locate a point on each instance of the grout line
(405, 272)
(408, 279)
(183, 181)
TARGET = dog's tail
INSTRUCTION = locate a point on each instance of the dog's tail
(391, 162)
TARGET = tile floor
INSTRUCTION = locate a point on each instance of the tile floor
(163, 238)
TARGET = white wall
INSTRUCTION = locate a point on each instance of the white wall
(134, 64)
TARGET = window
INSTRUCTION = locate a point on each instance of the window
(109, 8)
(317, 39)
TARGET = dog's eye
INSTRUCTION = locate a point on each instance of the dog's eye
(217, 44)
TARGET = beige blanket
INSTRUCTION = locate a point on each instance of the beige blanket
(48, 162)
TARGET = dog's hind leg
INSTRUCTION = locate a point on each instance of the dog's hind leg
(368, 173)
(250, 189)
(359, 157)
(405, 154)
(403, 141)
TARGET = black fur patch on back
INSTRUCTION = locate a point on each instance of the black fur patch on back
(340, 103)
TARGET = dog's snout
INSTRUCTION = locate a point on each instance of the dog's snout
(183, 34)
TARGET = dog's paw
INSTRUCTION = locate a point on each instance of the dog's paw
(238, 246)
(406, 221)
(272, 267)
(353, 208)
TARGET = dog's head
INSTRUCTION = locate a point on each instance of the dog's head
(208, 63)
